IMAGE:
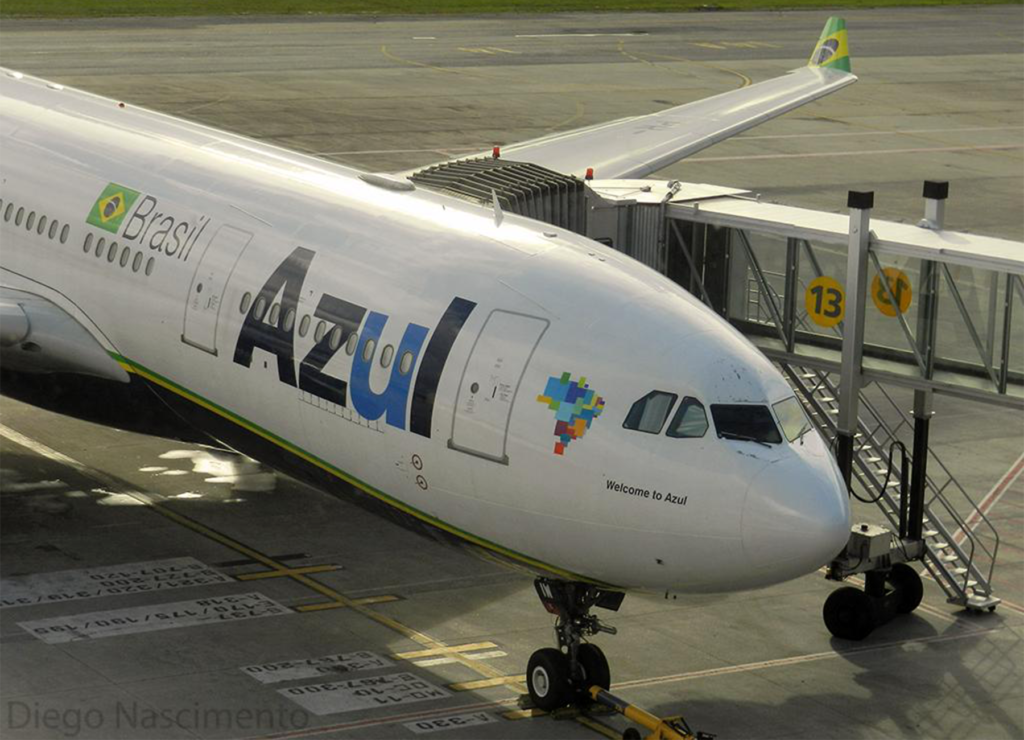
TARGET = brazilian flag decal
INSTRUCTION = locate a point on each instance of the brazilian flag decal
(110, 208)
(832, 50)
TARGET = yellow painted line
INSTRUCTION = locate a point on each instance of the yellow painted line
(599, 727)
(285, 572)
(486, 683)
(342, 605)
(361, 606)
(580, 110)
(523, 713)
(469, 647)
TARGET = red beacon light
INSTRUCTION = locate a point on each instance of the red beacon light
(590, 174)
(496, 152)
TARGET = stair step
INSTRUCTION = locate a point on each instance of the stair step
(949, 558)
(939, 545)
(874, 459)
(833, 411)
(827, 399)
(930, 532)
(809, 375)
(892, 483)
(959, 571)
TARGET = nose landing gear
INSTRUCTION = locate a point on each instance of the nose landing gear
(557, 677)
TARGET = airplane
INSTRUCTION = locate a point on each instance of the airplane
(473, 373)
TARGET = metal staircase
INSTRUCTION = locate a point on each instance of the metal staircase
(961, 542)
(960, 559)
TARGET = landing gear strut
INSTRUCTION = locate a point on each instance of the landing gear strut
(557, 677)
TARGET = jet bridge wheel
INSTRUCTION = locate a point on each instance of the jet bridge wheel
(849, 613)
(907, 583)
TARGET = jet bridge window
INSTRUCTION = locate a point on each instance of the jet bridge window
(745, 422)
(650, 412)
(690, 420)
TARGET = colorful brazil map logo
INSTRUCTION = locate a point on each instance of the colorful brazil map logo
(575, 406)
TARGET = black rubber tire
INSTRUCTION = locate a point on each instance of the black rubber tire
(594, 667)
(848, 613)
(907, 583)
(631, 733)
(547, 679)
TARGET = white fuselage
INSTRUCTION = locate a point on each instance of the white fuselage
(451, 431)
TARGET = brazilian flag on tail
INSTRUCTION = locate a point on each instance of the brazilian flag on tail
(111, 207)
(832, 50)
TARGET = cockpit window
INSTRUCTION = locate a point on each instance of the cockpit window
(792, 418)
(690, 420)
(745, 422)
(649, 413)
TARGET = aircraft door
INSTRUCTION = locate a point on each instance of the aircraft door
(490, 382)
(206, 293)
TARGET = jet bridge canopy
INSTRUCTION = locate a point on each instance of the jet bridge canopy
(942, 310)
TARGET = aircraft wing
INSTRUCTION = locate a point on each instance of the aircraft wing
(638, 146)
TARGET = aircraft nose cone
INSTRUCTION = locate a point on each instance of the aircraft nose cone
(796, 517)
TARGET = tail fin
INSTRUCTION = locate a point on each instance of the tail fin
(832, 50)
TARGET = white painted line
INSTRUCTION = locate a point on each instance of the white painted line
(573, 35)
(40, 449)
(328, 665)
(451, 722)
(153, 617)
(364, 693)
(795, 660)
(424, 38)
(861, 152)
(110, 580)
(427, 662)
(869, 132)
(513, 701)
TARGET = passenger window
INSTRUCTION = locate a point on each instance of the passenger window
(690, 420)
(335, 340)
(275, 314)
(386, 355)
(304, 325)
(259, 308)
(18, 216)
(321, 329)
(350, 346)
(792, 418)
(42, 225)
(149, 265)
(137, 263)
(7, 211)
(64, 234)
(86, 245)
(30, 221)
(101, 244)
(246, 300)
(745, 422)
(649, 413)
(53, 230)
(369, 347)
(112, 252)
(405, 364)
(126, 255)
(289, 319)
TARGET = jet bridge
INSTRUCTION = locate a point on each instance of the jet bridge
(850, 308)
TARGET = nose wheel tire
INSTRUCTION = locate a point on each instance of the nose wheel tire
(848, 613)
(547, 679)
(594, 669)
(907, 583)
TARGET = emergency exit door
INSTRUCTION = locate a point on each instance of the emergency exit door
(206, 293)
(490, 382)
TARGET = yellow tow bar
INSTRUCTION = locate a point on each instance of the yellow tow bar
(669, 728)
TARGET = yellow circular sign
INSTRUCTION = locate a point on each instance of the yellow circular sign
(825, 301)
(899, 285)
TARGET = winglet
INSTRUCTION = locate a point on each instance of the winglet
(832, 50)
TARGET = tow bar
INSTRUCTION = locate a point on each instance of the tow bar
(669, 728)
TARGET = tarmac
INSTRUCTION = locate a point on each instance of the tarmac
(343, 625)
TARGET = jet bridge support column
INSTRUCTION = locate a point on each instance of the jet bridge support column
(935, 194)
(860, 205)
